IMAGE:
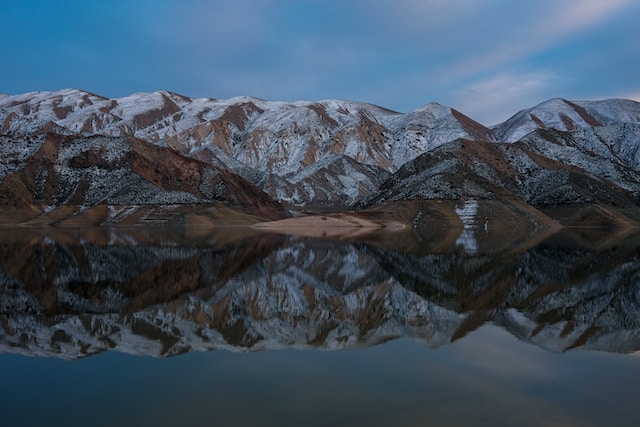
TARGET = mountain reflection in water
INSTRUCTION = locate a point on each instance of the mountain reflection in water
(163, 291)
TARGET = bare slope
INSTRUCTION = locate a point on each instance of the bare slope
(81, 172)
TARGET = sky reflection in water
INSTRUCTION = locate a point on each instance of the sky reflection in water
(398, 383)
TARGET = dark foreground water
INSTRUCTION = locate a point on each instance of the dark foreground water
(489, 378)
(174, 327)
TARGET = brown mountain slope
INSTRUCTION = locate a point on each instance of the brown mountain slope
(464, 169)
(85, 172)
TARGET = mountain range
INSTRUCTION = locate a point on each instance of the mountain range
(72, 157)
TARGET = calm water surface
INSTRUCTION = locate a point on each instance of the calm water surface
(175, 327)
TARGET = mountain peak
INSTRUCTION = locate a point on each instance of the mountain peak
(556, 113)
(613, 111)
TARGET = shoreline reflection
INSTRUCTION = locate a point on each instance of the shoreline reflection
(162, 291)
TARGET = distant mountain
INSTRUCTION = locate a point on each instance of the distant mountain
(265, 135)
(75, 148)
(564, 115)
(252, 137)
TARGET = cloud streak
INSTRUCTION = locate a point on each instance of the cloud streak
(491, 34)
(493, 100)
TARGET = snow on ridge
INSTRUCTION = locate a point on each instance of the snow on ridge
(543, 115)
(610, 108)
(349, 107)
(432, 107)
(564, 115)
(613, 111)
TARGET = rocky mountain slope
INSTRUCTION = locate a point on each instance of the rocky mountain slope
(63, 171)
(296, 151)
(75, 148)
(568, 116)
(479, 170)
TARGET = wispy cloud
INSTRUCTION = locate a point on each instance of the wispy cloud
(576, 15)
(492, 100)
(490, 34)
(399, 54)
(210, 26)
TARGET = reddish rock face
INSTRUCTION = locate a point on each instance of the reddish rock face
(64, 171)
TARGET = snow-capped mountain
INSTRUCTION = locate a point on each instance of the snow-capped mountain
(252, 137)
(324, 155)
(481, 170)
(564, 115)
(265, 135)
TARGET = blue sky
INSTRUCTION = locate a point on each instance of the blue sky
(486, 58)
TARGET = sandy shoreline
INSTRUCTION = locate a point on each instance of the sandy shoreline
(330, 225)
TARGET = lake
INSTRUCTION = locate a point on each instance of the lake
(175, 326)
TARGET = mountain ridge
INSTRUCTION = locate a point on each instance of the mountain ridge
(329, 154)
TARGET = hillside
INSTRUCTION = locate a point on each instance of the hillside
(269, 159)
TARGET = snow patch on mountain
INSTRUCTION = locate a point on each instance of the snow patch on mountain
(613, 111)
(555, 113)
